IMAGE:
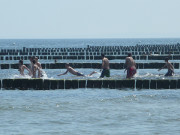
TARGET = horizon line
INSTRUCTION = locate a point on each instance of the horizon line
(102, 38)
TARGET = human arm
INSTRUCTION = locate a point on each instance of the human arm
(39, 72)
(171, 67)
(125, 64)
(39, 65)
(162, 67)
(63, 73)
(102, 64)
(27, 70)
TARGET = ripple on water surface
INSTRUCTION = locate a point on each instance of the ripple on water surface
(90, 111)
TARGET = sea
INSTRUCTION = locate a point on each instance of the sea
(88, 111)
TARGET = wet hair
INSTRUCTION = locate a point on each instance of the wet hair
(21, 62)
(34, 62)
(102, 55)
(166, 59)
(129, 54)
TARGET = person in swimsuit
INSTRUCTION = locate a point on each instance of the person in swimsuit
(31, 63)
(130, 66)
(105, 67)
(74, 72)
(35, 68)
(169, 66)
(22, 67)
(39, 65)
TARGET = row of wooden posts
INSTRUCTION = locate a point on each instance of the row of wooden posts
(52, 84)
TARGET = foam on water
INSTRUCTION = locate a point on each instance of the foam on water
(44, 75)
(20, 76)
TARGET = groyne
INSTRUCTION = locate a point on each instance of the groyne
(52, 84)
(92, 65)
(91, 57)
(139, 52)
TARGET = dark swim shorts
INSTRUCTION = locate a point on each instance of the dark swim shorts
(79, 74)
(169, 73)
(105, 72)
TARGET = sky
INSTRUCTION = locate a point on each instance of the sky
(59, 19)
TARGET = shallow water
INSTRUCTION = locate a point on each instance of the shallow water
(115, 74)
(90, 111)
(84, 61)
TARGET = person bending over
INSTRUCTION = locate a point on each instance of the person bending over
(169, 66)
(74, 72)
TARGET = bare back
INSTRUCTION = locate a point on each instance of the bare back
(130, 62)
(21, 69)
(71, 70)
(105, 63)
(39, 65)
(169, 66)
(35, 69)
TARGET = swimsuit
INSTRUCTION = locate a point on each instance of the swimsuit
(131, 72)
(79, 74)
(169, 73)
(105, 72)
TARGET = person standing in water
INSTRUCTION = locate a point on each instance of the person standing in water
(22, 67)
(169, 66)
(130, 66)
(39, 65)
(35, 68)
(74, 72)
(31, 63)
(105, 67)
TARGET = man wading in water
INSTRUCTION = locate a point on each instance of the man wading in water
(105, 67)
(169, 66)
(130, 66)
(74, 72)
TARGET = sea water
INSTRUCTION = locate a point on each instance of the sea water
(89, 111)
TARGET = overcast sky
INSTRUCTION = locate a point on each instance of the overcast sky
(89, 18)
